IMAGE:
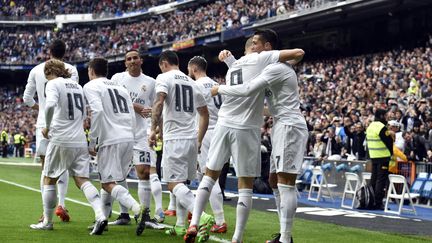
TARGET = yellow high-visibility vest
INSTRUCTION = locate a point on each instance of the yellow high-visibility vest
(376, 147)
(17, 138)
(4, 137)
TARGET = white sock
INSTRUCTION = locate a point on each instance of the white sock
(123, 209)
(106, 202)
(93, 198)
(144, 193)
(156, 189)
(277, 198)
(123, 196)
(172, 202)
(185, 196)
(287, 210)
(62, 187)
(216, 203)
(202, 197)
(244, 205)
(181, 213)
(49, 202)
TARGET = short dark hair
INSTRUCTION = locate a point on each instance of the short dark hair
(133, 50)
(200, 62)
(57, 49)
(170, 57)
(269, 35)
(99, 66)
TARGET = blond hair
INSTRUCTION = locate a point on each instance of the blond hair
(57, 68)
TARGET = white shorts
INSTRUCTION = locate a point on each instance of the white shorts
(289, 145)
(203, 156)
(114, 161)
(244, 145)
(59, 159)
(41, 142)
(179, 160)
(144, 157)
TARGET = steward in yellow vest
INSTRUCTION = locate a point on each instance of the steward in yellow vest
(380, 147)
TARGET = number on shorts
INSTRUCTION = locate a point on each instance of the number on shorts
(119, 102)
(144, 157)
(76, 101)
(184, 98)
(236, 77)
(277, 161)
(217, 101)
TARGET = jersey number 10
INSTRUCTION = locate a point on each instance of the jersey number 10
(184, 98)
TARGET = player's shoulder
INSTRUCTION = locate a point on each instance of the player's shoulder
(147, 78)
(38, 68)
(118, 76)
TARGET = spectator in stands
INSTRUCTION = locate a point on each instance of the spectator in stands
(333, 144)
(357, 140)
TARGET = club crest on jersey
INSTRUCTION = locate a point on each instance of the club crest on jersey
(144, 88)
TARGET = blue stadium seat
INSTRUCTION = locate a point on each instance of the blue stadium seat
(419, 183)
(426, 192)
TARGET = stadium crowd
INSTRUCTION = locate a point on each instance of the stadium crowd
(29, 45)
(45, 9)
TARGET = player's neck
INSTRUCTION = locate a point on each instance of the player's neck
(200, 75)
(135, 73)
(171, 68)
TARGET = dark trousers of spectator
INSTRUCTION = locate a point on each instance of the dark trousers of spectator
(158, 163)
(5, 150)
(21, 151)
(379, 179)
(222, 178)
(17, 150)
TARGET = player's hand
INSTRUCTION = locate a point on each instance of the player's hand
(35, 107)
(45, 132)
(152, 139)
(223, 55)
(146, 112)
(92, 151)
(214, 90)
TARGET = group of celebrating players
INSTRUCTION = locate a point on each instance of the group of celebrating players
(198, 121)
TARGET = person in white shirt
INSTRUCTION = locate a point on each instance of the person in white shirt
(112, 126)
(237, 134)
(197, 70)
(67, 150)
(36, 83)
(289, 133)
(178, 100)
(142, 92)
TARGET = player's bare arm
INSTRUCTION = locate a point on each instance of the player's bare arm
(156, 117)
(141, 110)
(203, 124)
(294, 55)
(214, 90)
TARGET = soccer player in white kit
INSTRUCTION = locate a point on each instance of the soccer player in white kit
(36, 84)
(178, 101)
(113, 123)
(237, 134)
(197, 70)
(142, 92)
(67, 150)
(289, 133)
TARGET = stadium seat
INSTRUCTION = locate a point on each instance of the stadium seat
(352, 183)
(319, 181)
(400, 197)
(417, 185)
(426, 191)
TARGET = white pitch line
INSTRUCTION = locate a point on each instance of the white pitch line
(21, 164)
(212, 237)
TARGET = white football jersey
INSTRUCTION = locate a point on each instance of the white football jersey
(182, 100)
(245, 112)
(112, 113)
(36, 83)
(283, 98)
(142, 91)
(283, 95)
(213, 103)
(67, 98)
